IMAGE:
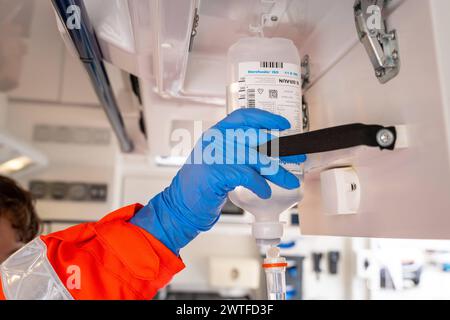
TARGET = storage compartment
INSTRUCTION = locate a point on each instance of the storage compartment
(181, 45)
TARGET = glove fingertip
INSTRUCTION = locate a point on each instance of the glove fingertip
(263, 191)
(291, 182)
(266, 194)
(283, 123)
(294, 159)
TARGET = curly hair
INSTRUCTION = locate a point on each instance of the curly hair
(17, 205)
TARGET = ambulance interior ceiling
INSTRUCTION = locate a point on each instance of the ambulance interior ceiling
(181, 61)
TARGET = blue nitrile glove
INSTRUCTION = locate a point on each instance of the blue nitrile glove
(193, 201)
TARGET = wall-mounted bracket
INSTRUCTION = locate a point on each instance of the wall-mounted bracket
(274, 11)
(335, 138)
(305, 114)
(340, 190)
(306, 72)
(194, 31)
(380, 44)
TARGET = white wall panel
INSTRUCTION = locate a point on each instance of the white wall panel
(404, 193)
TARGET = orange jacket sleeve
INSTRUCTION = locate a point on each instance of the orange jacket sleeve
(111, 259)
(2, 296)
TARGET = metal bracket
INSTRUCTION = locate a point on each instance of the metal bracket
(332, 139)
(305, 114)
(86, 45)
(380, 44)
(275, 9)
(194, 29)
(306, 72)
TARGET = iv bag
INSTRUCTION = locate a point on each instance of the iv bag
(265, 73)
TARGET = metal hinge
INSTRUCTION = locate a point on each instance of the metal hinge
(194, 28)
(306, 72)
(380, 44)
(305, 114)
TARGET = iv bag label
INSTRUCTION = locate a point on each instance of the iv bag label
(272, 86)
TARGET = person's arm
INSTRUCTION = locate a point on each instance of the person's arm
(109, 259)
(219, 163)
(133, 252)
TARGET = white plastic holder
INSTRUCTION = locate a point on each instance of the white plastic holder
(402, 137)
(340, 191)
(270, 18)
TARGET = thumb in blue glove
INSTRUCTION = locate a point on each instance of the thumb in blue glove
(193, 201)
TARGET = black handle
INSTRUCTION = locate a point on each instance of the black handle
(330, 139)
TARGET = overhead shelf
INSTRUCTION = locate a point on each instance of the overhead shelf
(183, 55)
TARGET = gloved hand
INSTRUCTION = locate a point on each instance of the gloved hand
(193, 201)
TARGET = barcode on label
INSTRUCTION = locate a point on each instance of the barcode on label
(251, 98)
(272, 64)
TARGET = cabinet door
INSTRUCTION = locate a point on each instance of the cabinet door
(404, 193)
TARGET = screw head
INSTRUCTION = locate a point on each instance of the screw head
(373, 32)
(379, 73)
(274, 18)
(385, 138)
(395, 55)
(234, 274)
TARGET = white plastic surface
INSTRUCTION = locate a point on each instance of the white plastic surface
(232, 272)
(405, 193)
(340, 191)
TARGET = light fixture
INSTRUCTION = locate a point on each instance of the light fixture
(15, 165)
(17, 157)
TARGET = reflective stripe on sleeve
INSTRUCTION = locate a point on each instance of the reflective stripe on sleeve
(29, 275)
